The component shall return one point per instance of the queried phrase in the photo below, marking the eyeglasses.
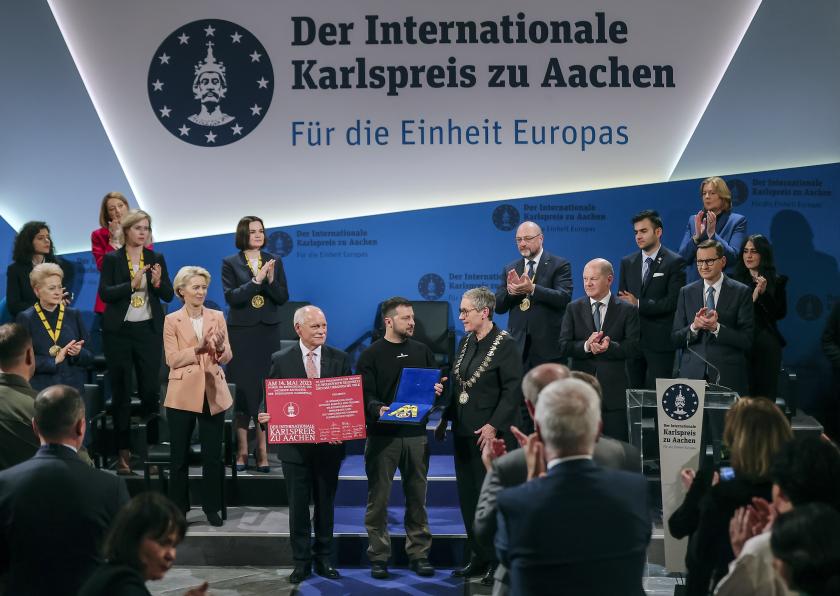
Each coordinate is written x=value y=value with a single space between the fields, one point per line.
x=526 y=238
x=707 y=262
x=465 y=311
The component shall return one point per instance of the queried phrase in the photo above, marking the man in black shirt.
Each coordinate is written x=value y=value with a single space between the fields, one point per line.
x=392 y=446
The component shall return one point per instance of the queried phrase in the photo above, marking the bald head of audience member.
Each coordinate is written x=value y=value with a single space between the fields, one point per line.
x=536 y=379
x=16 y=354
x=568 y=418
x=59 y=416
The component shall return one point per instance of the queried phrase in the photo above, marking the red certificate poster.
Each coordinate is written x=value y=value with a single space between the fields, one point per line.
x=315 y=410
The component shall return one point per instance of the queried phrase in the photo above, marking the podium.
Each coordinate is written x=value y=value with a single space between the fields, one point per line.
x=642 y=427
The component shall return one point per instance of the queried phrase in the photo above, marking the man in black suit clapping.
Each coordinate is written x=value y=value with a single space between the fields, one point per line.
x=651 y=279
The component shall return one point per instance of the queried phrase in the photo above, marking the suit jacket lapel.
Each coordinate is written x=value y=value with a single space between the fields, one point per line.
x=186 y=329
x=635 y=274
x=327 y=363
x=724 y=298
x=586 y=313
x=298 y=370
x=542 y=268
x=612 y=308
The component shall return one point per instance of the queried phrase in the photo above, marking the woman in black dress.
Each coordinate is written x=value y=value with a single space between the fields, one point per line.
x=756 y=269
x=254 y=284
x=485 y=400
x=33 y=246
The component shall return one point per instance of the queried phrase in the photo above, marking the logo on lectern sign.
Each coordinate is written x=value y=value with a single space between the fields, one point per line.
x=210 y=83
x=680 y=402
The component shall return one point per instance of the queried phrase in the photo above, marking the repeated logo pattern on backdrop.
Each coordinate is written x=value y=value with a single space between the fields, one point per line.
x=210 y=83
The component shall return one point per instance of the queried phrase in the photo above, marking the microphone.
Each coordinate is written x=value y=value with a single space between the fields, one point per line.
x=716 y=384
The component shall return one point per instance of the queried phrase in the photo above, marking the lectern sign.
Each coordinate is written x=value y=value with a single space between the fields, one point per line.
x=680 y=408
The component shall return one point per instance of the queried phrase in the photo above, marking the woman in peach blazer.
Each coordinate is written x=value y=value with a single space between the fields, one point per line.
x=195 y=341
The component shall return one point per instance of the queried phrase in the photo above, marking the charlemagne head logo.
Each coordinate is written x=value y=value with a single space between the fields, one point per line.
x=431 y=286
x=680 y=402
x=210 y=83
x=505 y=217
x=280 y=244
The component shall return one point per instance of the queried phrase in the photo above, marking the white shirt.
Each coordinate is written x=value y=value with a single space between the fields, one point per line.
x=652 y=255
x=317 y=358
x=198 y=326
x=562 y=460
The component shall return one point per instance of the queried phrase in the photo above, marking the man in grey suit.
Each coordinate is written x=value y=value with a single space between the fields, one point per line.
x=714 y=323
x=511 y=469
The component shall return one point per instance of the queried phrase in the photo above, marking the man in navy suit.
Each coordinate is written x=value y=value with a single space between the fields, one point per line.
x=311 y=469
x=568 y=495
x=54 y=508
x=600 y=332
x=651 y=279
x=535 y=289
x=714 y=322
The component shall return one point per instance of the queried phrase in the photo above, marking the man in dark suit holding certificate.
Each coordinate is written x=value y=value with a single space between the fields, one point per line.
x=311 y=469
x=650 y=280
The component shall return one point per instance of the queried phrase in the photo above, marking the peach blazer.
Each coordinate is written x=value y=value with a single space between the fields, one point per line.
x=191 y=376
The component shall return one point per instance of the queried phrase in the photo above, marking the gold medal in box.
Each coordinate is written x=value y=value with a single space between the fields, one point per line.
x=406 y=411
x=258 y=301
x=137 y=300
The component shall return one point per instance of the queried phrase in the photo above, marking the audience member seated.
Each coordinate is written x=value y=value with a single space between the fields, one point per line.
x=510 y=469
x=805 y=471
x=806 y=549
x=140 y=547
x=574 y=526
x=17 y=398
x=33 y=246
x=754 y=432
x=58 y=333
x=54 y=508
x=757 y=271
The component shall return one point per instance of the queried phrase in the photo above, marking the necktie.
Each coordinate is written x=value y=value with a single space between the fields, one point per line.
x=311 y=371
x=596 y=315
x=647 y=271
x=531 y=269
x=710 y=298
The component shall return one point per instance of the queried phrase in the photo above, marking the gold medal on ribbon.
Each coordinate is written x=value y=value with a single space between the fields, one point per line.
x=463 y=398
x=137 y=300
x=258 y=301
x=54 y=350
x=53 y=333
x=525 y=304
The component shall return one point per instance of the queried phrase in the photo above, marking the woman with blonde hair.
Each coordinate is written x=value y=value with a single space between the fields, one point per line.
x=195 y=341
x=715 y=221
x=754 y=432
x=134 y=280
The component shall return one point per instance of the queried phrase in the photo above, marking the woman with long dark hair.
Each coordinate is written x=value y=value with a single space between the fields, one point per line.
x=254 y=284
x=756 y=269
x=33 y=246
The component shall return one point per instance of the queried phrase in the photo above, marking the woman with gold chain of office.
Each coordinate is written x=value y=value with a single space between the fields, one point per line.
x=484 y=403
x=255 y=288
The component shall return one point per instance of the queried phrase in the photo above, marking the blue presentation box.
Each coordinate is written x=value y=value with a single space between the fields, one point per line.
x=415 y=397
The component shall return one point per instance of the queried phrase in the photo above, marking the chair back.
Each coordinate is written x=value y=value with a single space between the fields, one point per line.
x=433 y=326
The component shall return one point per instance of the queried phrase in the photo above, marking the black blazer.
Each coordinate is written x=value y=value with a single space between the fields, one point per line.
x=73 y=371
x=239 y=290
x=495 y=397
x=582 y=529
x=771 y=306
x=19 y=292
x=288 y=364
x=621 y=324
x=542 y=321
x=657 y=299
x=728 y=350
x=54 y=512
x=115 y=288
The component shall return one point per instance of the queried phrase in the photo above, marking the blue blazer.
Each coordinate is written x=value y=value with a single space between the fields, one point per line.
x=70 y=372
x=727 y=351
x=582 y=529
x=731 y=231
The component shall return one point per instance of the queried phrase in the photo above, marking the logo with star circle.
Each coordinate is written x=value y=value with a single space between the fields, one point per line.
x=210 y=83
x=680 y=401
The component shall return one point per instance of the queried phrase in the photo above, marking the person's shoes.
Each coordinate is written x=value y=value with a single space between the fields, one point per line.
x=300 y=573
x=471 y=569
x=263 y=469
x=214 y=519
x=379 y=570
x=422 y=567
x=488 y=578
x=325 y=569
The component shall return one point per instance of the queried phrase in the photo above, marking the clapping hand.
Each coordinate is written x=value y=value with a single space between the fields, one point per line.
x=156 y=273
x=699 y=225
x=535 y=457
x=629 y=298
x=493 y=449
x=137 y=280
x=711 y=222
x=267 y=270
x=519 y=285
x=706 y=319
x=270 y=272
x=485 y=434
x=72 y=348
